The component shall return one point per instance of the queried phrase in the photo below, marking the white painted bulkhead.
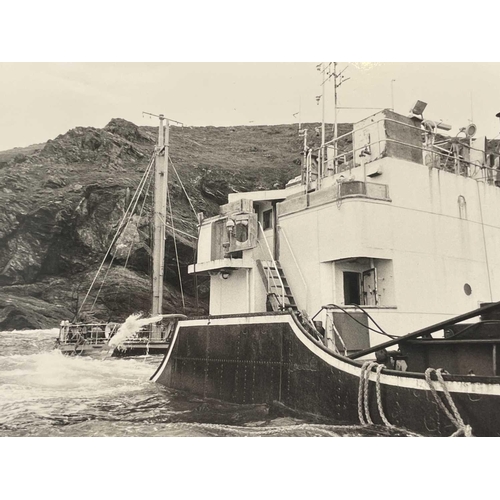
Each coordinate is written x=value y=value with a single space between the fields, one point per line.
x=433 y=239
x=431 y=247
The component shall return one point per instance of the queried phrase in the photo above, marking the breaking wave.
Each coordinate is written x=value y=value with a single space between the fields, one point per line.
x=130 y=328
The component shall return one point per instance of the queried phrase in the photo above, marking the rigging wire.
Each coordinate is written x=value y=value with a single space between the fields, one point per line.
x=124 y=229
x=182 y=232
x=183 y=188
x=141 y=185
x=169 y=196
x=140 y=215
x=195 y=276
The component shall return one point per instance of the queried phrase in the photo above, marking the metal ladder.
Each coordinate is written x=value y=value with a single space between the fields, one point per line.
x=278 y=290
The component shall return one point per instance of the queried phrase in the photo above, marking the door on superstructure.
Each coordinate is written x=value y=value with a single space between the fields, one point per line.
x=269 y=228
x=370 y=287
x=352 y=288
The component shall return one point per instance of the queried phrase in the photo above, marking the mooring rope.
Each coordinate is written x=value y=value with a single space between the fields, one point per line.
x=368 y=369
x=361 y=416
x=363 y=395
x=379 y=398
x=363 y=408
x=454 y=415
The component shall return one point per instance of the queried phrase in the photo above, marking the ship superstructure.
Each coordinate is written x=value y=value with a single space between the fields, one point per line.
x=393 y=217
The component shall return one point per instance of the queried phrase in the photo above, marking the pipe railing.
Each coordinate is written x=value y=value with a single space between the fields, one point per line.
x=448 y=156
x=345 y=156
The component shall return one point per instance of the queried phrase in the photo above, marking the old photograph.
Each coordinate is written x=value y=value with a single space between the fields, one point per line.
x=258 y=249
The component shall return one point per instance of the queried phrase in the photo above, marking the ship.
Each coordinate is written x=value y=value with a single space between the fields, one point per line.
x=365 y=291
x=137 y=335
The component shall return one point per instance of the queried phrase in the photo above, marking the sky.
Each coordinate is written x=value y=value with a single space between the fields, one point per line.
x=38 y=101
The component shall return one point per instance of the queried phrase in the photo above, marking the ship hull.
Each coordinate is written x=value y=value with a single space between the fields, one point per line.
x=141 y=349
x=267 y=358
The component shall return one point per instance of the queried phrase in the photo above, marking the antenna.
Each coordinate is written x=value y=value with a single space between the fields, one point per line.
x=392 y=94
x=298 y=114
x=323 y=69
x=338 y=80
x=471 y=109
x=163 y=117
x=341 y=79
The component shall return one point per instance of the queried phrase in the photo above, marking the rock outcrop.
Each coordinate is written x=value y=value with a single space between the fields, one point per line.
x=62 y=202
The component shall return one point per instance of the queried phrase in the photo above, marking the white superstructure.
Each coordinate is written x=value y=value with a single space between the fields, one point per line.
x=395 y=218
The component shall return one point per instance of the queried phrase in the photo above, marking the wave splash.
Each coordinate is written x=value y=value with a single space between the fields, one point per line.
x=130 y=328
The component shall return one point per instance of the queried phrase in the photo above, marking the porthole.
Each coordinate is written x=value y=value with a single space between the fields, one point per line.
x=467 y=289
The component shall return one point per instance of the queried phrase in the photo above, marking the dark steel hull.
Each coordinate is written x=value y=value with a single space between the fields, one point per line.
x=266 y=358
x=141 y=349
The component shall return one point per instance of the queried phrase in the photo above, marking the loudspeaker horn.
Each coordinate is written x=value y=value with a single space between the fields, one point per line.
x=470 y=130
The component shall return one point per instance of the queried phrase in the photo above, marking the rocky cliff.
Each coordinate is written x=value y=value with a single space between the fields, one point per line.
x=62 y=201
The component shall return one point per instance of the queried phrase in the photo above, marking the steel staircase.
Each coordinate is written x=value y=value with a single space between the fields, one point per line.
x=279 y=292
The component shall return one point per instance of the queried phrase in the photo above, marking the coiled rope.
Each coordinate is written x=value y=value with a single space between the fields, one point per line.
x=363 y=395
x=454 y=416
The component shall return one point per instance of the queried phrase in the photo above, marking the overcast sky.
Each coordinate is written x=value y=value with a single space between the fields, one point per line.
x=38 y=101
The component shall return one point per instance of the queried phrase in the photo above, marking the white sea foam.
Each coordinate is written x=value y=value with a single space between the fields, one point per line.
x=131 y=327
x=40 y=388
x=52 y=374
x=49 y=331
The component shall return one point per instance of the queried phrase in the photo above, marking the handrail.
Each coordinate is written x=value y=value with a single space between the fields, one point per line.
x=421 y=148
x=274 y=265
x=267 y=275
x=282 y=230
x=371 y=124
x=344 y=154
x=429 y=329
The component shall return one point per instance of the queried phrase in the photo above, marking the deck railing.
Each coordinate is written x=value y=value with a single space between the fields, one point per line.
x=99 y=333
x=452 y=154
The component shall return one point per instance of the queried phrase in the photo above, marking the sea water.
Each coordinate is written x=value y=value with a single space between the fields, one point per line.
x=45 y=393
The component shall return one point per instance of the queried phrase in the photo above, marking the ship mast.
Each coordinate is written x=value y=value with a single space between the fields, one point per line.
x=159 y=220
